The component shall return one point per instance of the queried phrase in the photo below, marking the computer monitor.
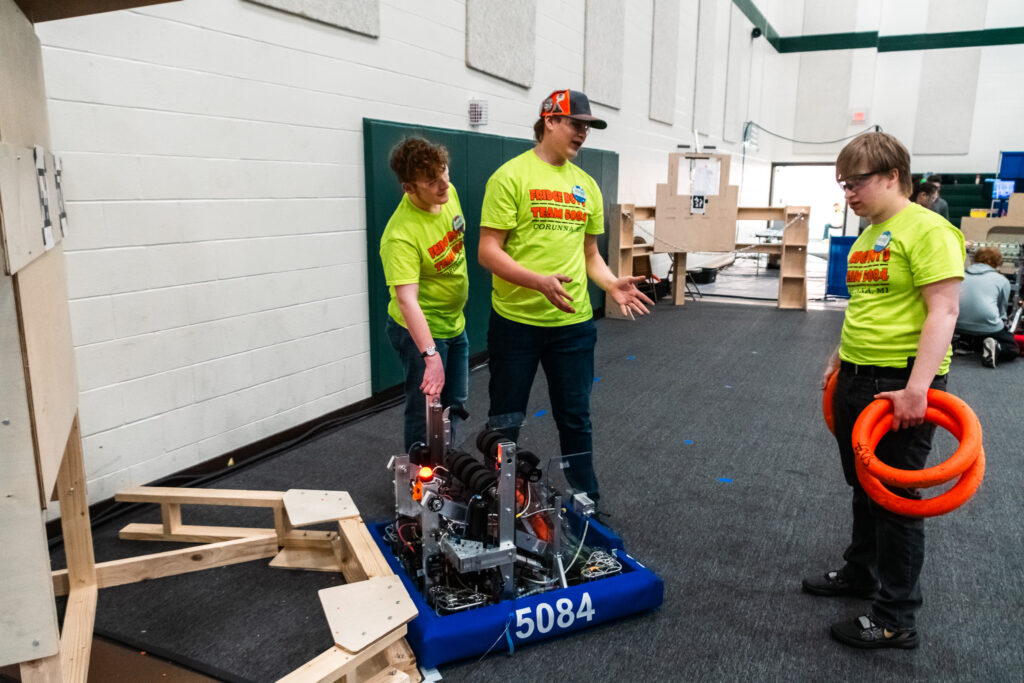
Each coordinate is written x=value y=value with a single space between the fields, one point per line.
x=1002 y=189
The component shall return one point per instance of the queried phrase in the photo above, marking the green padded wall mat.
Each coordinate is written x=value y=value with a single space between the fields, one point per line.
x=474 y=157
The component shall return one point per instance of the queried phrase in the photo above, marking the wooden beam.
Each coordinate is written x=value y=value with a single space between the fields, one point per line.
x=170 y=515
x=769 y=248
x=74 y=512
x=48 y=10
x=643 y=213
x=760 y=213
x=171 y=563
x=189 y=533
x=391 y=675
x=76 y=637
x=401 y=656
x=296 y=538
x=45 y=670
x=170 y=494
x=335 y=663
x=361 y=558
x=308 y=559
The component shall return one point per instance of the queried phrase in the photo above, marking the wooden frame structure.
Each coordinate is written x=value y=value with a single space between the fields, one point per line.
x=791 y=252
x=687 y=221
x=349 y=550
x=41 y=454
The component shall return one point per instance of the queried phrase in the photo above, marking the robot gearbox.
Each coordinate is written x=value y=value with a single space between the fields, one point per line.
x=496 y=544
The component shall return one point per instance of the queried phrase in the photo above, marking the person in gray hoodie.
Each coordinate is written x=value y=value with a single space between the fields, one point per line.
x=984 y=295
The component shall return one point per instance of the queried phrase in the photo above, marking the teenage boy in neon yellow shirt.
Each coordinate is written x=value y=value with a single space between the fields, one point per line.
x=904 y=274
x=539 y=224
x=425 y=269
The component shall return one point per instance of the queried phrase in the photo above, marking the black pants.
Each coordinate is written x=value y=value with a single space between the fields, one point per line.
x=886 y=550
x=1006 y=344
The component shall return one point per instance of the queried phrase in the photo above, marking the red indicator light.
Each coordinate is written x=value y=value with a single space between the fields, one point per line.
x=426 y=474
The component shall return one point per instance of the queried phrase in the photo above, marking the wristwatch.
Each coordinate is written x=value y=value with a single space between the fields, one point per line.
x=429 y=351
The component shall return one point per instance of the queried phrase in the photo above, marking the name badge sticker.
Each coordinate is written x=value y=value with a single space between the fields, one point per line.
x=579 y=194
x=459 y=224
x=883 y=241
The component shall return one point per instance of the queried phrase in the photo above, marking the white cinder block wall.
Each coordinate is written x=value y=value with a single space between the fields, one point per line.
x=213 y=159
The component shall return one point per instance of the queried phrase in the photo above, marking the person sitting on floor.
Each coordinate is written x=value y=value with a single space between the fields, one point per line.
x=984 y=295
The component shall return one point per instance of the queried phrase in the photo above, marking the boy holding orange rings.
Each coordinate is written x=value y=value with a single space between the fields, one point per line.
x=904 y=274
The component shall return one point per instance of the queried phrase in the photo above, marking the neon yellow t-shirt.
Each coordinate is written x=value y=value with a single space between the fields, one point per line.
x=548 y=210
x=426 y=248
x=887 y=266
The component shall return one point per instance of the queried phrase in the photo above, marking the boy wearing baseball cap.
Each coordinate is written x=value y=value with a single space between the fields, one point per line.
x=539 y=224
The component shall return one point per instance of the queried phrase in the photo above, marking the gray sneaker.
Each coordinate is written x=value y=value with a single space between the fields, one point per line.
x=988 y=352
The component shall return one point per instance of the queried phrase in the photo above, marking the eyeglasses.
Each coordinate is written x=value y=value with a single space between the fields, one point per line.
x=855 y=181
x=579 y=126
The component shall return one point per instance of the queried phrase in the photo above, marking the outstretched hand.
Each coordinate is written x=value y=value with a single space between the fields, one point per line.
x=551 y=287
x=630 y=299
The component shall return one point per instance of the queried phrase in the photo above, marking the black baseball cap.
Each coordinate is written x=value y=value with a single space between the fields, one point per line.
x=571 y=103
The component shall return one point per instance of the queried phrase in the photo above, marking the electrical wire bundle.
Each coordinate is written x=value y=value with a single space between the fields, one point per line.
x=448 y=600
x=599 y=564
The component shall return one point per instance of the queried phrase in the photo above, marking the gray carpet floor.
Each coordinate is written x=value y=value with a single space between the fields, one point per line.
x=719 y=474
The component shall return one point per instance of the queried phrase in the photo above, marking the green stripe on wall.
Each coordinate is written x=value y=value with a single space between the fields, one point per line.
x=936 y=41
x=828 y=41
x=751 y=12
x=871 y=39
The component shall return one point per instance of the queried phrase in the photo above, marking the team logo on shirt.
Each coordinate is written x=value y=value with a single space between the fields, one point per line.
x=459 y=224
x=579 y=194
x=869 y=268
x=883 y=241
x=558 y=210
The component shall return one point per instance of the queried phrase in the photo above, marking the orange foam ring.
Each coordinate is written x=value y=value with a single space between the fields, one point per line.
x=967 y=463
x=826 y=401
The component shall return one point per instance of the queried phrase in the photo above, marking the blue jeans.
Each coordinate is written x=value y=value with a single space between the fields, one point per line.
x=454 y=354
x=885 y=549
x=567 y=355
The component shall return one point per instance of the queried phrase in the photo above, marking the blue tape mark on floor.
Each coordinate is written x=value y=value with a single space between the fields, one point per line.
x=540 y=413
x=688 y=441
x=725 y=480
x=728 y=386
x=630 y=357
x=597 y=379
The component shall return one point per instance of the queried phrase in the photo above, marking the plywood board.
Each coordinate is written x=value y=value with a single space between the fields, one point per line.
x=42 y=295
x=21 y=218
x=307 y=506
x=28 y=618
x=23 y=117
x=363 y=612
x=676 y=229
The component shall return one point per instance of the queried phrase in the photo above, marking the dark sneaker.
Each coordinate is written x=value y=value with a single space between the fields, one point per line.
x=834 y=584
x=988 y=352
x=865 y=632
